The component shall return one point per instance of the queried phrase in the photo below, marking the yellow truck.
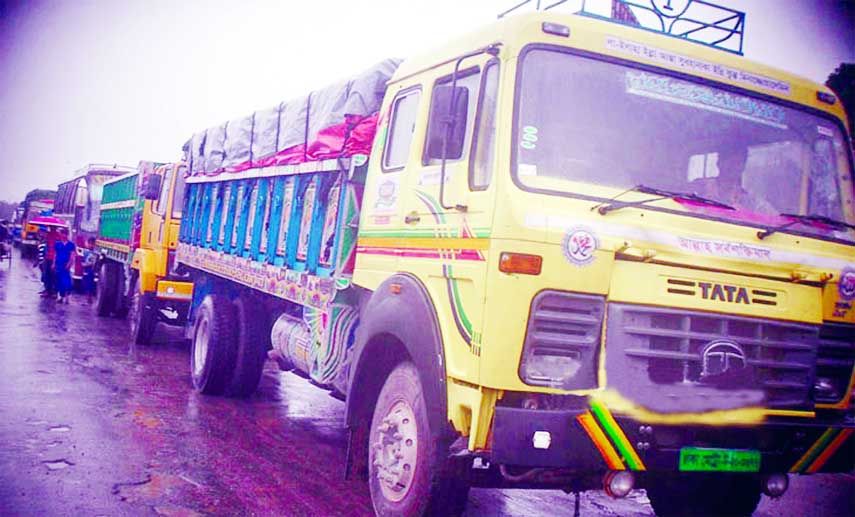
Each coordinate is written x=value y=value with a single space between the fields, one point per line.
x=137 y=237
x=559 y=252
x=33 y=207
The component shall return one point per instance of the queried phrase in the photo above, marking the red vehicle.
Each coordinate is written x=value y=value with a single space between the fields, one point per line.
x=78 y=201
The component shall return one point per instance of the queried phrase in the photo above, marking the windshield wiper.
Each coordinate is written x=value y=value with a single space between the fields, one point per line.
x=805 y=218
x=613 y=204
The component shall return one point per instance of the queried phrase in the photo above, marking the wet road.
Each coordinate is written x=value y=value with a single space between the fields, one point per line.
x=92 y=426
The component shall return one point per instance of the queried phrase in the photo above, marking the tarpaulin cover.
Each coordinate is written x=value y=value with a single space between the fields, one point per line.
x=338 y=120
x=292 y=124
x=238 y=143
x=196 y=155
x=265 y=132
x=215 y=141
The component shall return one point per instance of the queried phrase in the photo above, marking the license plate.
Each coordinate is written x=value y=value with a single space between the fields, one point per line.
x=696 y=459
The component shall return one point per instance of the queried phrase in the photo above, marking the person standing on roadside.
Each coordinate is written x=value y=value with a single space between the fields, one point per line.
x=41 y=255
x=46 y=260
x=90 y=258
x=63 y=260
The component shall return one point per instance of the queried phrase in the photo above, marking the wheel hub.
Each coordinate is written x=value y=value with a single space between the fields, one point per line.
x=200 y=347
x=395 y=451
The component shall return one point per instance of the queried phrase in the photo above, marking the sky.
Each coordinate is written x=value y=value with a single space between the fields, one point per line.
x=100 y=81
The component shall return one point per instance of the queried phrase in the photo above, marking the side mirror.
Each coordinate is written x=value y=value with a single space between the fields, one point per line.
x=151 y=190
x=447 y=121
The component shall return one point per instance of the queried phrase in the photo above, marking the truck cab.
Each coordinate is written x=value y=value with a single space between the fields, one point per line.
x=140 y=217
x=78 y=203
x=639 y=251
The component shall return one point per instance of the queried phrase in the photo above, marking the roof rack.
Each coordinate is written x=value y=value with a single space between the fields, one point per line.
x=83 y=171
x=697 y=21
x=539 y=5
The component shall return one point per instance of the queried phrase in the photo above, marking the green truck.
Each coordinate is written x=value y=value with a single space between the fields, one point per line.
x=136 y=243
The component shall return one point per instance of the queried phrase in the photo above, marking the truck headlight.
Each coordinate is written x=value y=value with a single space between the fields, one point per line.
x=563 y=340
x=826 y=389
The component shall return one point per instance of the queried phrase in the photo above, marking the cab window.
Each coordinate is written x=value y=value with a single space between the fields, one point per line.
x=163 y=198
x=401 y=127
x=178 y=195
x=469 y=79
x=483 y=148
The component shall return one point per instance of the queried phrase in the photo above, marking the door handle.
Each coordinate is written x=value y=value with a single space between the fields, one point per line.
x=412 y=219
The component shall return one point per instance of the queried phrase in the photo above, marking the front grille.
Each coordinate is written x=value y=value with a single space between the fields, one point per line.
x=562 y=326
x=681 y=361
x=835 y=360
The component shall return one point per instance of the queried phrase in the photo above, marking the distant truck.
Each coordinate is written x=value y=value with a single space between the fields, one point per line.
x=17 y=227
x=582 y=255
x=138 y=233
x=33 y=207
x=78 y=202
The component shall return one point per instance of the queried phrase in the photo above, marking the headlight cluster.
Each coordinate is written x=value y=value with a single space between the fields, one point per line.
x=563 y=340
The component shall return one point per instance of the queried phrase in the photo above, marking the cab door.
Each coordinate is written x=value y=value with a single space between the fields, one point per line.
x=172 y=200
x=394 y=156
x=154 y=214
x=448 y=209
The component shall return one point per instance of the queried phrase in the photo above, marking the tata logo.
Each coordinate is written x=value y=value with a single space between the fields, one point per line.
x=724 y=293
x=722 y=357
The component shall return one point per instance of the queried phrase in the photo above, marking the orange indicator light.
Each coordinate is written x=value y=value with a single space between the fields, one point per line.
x=520 y=263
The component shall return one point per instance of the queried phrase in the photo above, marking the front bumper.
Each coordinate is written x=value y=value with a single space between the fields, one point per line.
x=593 y=441
x=174 y=291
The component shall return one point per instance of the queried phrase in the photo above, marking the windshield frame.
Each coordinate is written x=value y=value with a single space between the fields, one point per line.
x=520 y=69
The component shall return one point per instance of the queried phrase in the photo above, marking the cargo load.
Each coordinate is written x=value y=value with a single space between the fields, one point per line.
x=336 y=121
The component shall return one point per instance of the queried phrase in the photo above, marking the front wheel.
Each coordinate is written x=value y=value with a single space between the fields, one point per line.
x=105 y=293
x=704 y=495
x=405 y=475
x=142 y=315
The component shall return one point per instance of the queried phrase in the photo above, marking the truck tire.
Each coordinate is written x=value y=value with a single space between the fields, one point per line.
x=405 y=474
x=105 y=292
x=251 y=351
x=120 y=306
x=213 y=355
x=704 y=495
x=142 y=315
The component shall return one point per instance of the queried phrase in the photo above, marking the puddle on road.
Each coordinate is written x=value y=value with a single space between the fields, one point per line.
x=57 y=464
x=59 y=429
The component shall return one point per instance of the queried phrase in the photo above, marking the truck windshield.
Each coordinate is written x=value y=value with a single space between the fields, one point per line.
x=592 y=129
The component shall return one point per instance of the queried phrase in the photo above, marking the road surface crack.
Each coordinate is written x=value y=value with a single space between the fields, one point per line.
x=117 y=487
